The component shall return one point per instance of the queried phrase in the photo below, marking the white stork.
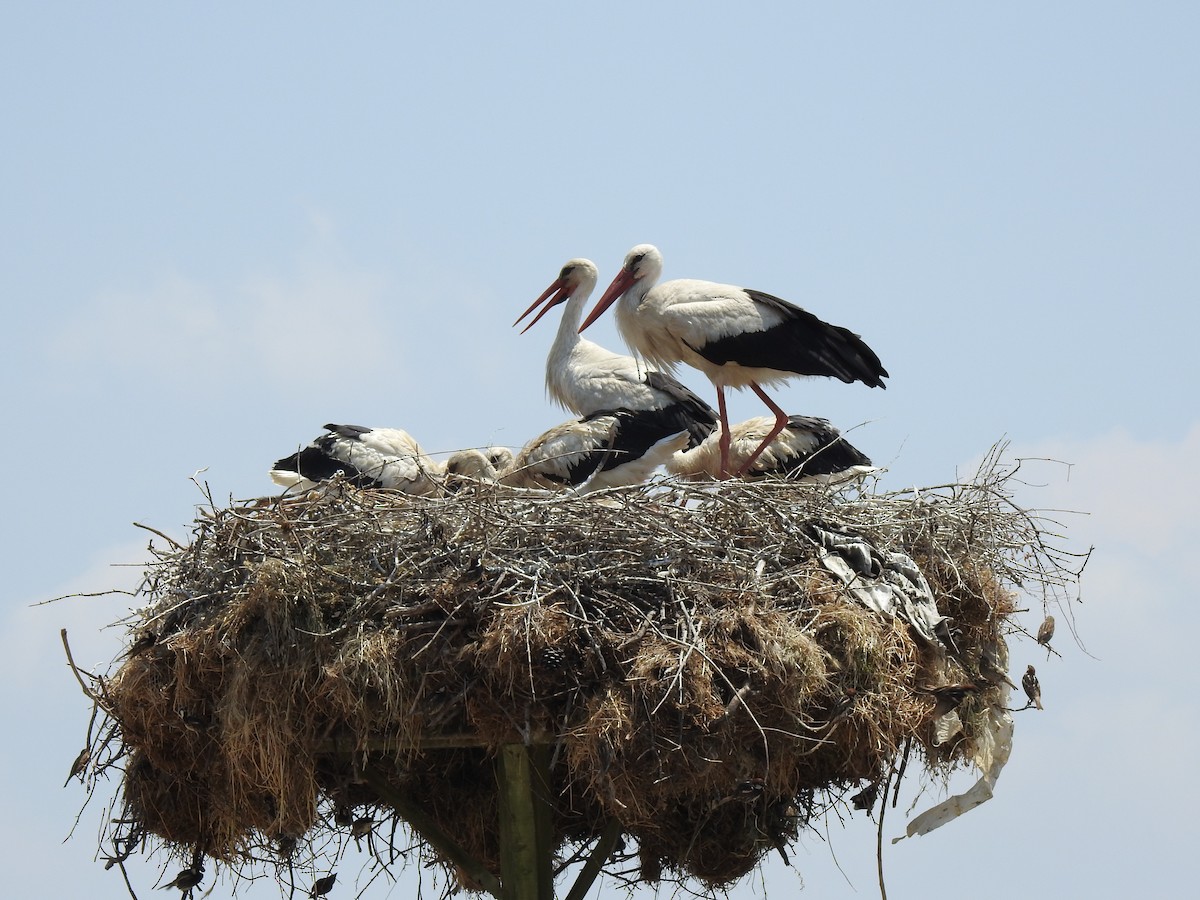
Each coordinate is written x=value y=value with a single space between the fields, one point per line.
x=737 y=337
x=477 y=465
x=808 y=449
x=585 y=378
x=606 y=449
x=368 y=457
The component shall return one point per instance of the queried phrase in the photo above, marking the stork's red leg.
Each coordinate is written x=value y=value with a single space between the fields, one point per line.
x=723 y=441
x=781 y=421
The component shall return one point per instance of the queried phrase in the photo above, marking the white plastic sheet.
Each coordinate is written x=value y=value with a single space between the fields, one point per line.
x=889 y=583
x=991 y=754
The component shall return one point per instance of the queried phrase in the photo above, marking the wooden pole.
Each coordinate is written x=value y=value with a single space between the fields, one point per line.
x=526 y=829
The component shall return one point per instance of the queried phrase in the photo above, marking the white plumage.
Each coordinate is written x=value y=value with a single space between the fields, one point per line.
x=736 y=336
x=368 y=457
x=585 y=378
x=477 y=465
x=606 y=449
x=807 y=449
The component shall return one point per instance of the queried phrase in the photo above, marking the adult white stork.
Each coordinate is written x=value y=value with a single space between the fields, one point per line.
x=737 y=337
x=808 y=449
x=606 y=449
x=368 y=457
x=585 y=378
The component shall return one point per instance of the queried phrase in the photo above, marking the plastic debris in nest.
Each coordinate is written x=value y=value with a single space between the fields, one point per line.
x=888 y=582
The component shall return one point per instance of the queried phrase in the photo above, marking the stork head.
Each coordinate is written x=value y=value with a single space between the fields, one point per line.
x=577 y=279
x=643 y=262
x=480 y=465
x=500 y=459
x=643 y=265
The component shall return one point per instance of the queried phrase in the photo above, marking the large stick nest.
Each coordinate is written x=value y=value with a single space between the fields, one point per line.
x=703 y=679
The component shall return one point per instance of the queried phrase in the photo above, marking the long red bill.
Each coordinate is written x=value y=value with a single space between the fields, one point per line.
x=557 y=299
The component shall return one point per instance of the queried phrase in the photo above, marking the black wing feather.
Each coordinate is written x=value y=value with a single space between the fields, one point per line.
x=353 y=432
x=317 y=462
x=803 y=344
x=834 y=453
x=636 y=432
x=687 y=412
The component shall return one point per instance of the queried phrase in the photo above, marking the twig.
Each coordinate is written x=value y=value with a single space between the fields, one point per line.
x=900 y=775
x=879 y=832
x=730 y=708
x=596 y=860
x=75 y=669
x=125 y=875
x=166 y=538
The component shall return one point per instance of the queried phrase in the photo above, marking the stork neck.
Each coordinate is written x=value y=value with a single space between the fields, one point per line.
x=558 y=363
x=627 y=314
x=637 y=292
x=568 y=327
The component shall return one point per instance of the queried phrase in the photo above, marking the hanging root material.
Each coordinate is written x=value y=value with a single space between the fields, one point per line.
x=709 y=673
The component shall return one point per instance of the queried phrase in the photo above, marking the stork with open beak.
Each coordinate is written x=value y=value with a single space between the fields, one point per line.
x=585 y=378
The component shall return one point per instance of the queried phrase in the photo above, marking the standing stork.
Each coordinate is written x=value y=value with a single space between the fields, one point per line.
x=368 y=457
x=609 y=448
x=808 y=449
x=585 y=378
x=737 y=337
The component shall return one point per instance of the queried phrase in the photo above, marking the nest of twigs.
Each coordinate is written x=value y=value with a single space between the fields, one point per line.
x=699 y=678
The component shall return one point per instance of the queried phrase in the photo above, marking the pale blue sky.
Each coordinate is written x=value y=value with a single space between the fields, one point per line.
x=221 y=227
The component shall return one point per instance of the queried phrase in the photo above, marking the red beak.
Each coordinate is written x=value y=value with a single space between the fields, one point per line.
x=561 y=287
x=623 y=282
